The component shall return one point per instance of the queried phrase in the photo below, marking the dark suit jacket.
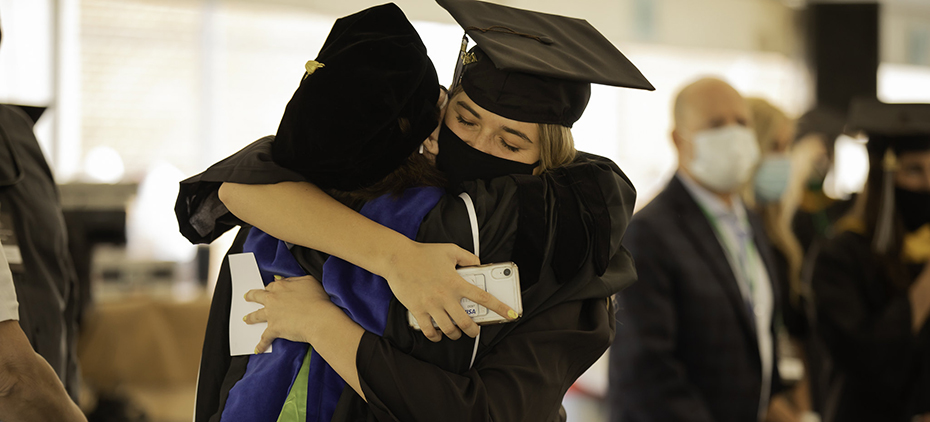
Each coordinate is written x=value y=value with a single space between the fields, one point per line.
x=686 y=347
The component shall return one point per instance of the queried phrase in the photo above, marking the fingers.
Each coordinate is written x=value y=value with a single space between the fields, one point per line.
x=465 y=259
x=426 y=326
x=444 y=321
x=298 y=278
x=257 y=295
x=256 y=317
x=446 y=325
x=483 y=298
x=462 y=320
x=264 y=343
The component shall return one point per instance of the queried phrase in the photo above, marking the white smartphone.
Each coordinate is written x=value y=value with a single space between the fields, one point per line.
x=502 y=280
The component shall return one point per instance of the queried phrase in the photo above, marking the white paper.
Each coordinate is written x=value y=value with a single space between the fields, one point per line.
x=245 y=276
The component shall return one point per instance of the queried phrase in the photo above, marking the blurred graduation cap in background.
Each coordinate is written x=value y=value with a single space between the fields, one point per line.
x=895 y=123
x=892 y=129
x=535 y=67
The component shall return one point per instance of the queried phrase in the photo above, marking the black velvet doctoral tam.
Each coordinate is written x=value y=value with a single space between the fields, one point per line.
x=364 y=105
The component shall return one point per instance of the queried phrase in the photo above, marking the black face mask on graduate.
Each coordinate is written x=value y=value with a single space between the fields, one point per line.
x=460 y=162
x=914 y=207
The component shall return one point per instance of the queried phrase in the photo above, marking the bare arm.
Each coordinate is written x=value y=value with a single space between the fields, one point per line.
x=422 y=276
x=29 y=388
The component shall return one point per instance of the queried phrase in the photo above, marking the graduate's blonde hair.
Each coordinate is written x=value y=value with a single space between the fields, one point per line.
x=768 y=122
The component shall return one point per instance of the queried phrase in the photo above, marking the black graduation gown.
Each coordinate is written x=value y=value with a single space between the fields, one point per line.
x=46 y=284
x=880 y=370
x=563 y=230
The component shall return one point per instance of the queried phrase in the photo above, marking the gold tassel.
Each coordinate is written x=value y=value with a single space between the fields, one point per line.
x=460 y=64
x=890 y=161
x=312 y=66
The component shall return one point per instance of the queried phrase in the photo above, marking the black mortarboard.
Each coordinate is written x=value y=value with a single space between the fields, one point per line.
x=342 y=128
x=903 y=127
x=541 y=66
x=892 y=129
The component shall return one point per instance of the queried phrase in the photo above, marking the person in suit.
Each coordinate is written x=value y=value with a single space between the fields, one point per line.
x=695 y=334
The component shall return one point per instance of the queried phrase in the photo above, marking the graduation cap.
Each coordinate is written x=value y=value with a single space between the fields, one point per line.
x=364 y=104
x=535 y=67
x=892 y=129
x=903 y=127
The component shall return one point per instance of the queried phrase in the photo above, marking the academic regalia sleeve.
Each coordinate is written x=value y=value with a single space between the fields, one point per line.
x=647 y=378
x=866 y=329
x=523 y=378
x=201 y=215
x=565 y=218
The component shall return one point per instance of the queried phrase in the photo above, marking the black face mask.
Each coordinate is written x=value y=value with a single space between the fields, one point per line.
x=914 y=207
x=460 y=162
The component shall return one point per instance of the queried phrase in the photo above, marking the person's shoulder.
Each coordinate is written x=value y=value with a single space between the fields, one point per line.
x=848 y=250
x=585 y=160
x=597 y=182
x=12 y=113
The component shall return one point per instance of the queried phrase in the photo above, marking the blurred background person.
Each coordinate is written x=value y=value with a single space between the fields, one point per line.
x=34 y=239
x=771 y=185
x=695 y=334
x=779 y=183
x=790 y=194
x=871 y=282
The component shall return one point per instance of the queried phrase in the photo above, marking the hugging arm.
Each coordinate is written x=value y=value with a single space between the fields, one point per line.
x=278 y=201
x=522 y=369
x=421 y=276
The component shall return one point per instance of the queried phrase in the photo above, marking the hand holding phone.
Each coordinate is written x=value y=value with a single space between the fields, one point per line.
x=501 y=280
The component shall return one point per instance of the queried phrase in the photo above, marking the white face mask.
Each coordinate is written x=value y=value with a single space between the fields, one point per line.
x=724 y=157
